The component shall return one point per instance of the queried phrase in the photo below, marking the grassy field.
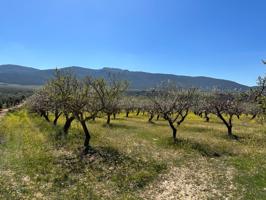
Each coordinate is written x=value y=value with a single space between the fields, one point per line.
x=132 y=159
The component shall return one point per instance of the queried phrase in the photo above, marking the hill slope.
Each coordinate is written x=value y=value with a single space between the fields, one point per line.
x=15 y=74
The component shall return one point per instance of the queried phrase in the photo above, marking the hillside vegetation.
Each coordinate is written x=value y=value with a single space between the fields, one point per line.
x=11 y=95
x=131 y=159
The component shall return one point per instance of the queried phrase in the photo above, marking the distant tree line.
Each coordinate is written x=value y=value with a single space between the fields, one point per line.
x=83 y=100
x=12 y=96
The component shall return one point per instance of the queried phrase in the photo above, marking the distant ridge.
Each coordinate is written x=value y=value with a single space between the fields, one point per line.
x=16 y=74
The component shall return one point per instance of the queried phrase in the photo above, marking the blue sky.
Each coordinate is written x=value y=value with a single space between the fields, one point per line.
x=217 y=38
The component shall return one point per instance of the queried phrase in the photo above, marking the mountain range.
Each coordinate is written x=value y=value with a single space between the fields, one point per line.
x=21 y=75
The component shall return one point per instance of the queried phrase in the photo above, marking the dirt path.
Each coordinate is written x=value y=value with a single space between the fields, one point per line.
x=3 y=112
x=197 y=181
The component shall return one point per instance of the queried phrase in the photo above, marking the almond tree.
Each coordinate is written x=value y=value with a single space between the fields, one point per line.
x=147 y=106
x=40 y=103
x=84 y=105
x=63 y=86
x=202 y=107
x=54 y=98
x=77 y=99
x=110 y=93
x=226 y=106
x=138 y=106
x=252 y=109
x=173 y=105
x=151 y=109
x=258 y=93
x=257 y=97
x=128 y=104
x=54 y=105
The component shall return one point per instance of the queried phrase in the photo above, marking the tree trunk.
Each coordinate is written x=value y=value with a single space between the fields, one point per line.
x=151 y=117
x=158 y=117
x=46 y=117
x=108 y=118
x=230 y=129
x=87 y=136
x=173 y=129
x=230 y=133
x=174 y=134
x=207 y=118
x=127 y=114
x=228 y=124
x=114 y=116
x=200 y=114
x=68 y=124
x=56 y=117
x=254 y=116
x=55 y=121
x=138 y=111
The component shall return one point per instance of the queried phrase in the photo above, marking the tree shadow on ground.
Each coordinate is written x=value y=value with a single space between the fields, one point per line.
x=202 y=148
x=108 y=164
x=119 y=126
x=196 y=129
x=2 y=140
x=158 y=123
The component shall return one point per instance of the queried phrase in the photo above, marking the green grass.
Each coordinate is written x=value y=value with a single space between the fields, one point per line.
x=131 y=159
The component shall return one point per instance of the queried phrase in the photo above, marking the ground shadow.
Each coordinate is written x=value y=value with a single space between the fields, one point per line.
x=109 y=164
x=196 y=129
x=204 y=149
x=2 y=141
x=158 y=123
x=118 y=126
